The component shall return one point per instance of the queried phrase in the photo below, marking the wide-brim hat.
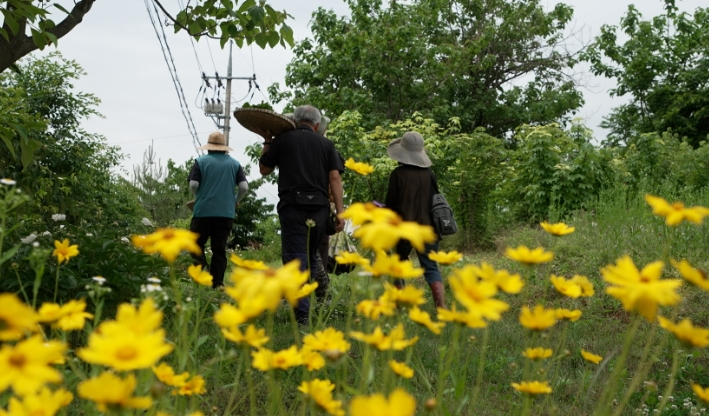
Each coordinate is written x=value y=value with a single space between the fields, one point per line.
x=408 y=149
x=216 y=142
x=263 y=119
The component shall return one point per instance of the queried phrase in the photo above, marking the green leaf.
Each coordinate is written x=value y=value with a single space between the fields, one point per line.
x=8 y=254
x=11 y=22
x=39 y=39
x=29 y=148
x=287 y=34
x=60 y=7
x=194 y=28
x=273 y=38
x=246 y=5
x=257 y=14
x=261 y=40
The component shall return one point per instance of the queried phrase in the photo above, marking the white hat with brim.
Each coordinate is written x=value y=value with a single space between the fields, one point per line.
x=216 y=142
x=408 y=149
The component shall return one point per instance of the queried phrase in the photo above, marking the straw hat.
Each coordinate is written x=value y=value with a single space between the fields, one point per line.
x=408 y=149
x=264 y=119
x=216 y=142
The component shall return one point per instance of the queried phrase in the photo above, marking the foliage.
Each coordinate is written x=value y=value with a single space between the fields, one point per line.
x=663 y=67
x=494 y=64
x=253 y=212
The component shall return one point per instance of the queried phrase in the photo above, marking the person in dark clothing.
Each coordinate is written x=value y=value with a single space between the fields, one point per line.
x=308 y=166
x=213 y=181
x=410 y=194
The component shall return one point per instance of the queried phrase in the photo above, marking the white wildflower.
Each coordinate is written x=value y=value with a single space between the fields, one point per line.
x=35 y=244
x=46 y=234
x=99 y=279
x=153 y=280
x=153 y=288
x=61 y=226
x=147 y=222
x=7 y=181
x=30 y=238
x=125 y=239
x=58 y=217
x=89 y=235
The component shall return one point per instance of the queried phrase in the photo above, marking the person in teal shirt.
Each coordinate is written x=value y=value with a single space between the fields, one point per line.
x=213 y=180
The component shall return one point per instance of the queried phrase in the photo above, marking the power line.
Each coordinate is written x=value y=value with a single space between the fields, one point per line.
x=157 y=138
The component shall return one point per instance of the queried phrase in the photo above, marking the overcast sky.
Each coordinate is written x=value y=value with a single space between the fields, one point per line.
x=118 y=48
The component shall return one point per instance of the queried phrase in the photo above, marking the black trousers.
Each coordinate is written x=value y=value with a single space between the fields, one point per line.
x=215 y=229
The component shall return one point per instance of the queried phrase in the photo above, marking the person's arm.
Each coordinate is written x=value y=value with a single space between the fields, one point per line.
x=337 y=194
x=194 y=187
x=392 y=193
x=243 y=188
x=194 y=178
x=267 y=142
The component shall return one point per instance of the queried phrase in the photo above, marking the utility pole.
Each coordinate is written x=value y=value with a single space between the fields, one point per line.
x=227 y=104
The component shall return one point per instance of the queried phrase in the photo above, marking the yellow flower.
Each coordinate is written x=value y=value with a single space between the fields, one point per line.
x=265 y=359
x=476 y=295
x=390 y=265
x=591 y=357
x=169 y=242
x=537 y=353
x=537 y=320
x=345 y=257
x=469 y=319
x=312 y=360
x=142 y=320
x=640 y=291
x=686 y=333
x=26 y=366
x=702 y=393
x=43 y=403
x=327 y=340
x=693 y=275
x=362 y=213
x=16 y=318
x=532 y=387
x=445 y=258
x=248 y=264
x=307 y=289
x=194 y=386
x=506 y=282
x=260 y=290
x=166 y=374
x=423 y=318
x=68 y=317
x=63 y=251
x=229 y=316
x=586 y=285
x=557 y=229
x=529 y=257
x=401 y=369
x=120 y=348
x=566 y=287
x=400 y=403
x=394 y=341
x=252 y=336
x=200 y=276
x=676 y=212
x=409 y=295
x=359 y=167
x=373 y=309
x=321 y=393
x=109 y=390
x=572 y=316
x=383 y=235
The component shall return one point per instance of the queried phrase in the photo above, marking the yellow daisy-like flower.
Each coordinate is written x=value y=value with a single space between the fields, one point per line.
x=686 y=333
x=469 y=319
x=532 y=387
x=676 y=212
x=566 y=314
x=529 y=257
x=345 y=257
x=537 y=353
x=265 y=359
x=641 y=290
x=586 y=285
x=506 y=282
x=362 y=213
x=43 y=403
x=68 y=317
x=27 y=365
x=166 y=374
x=559 y=229
x=390 y=265
x=169 y=242
x=200 y=276
x=566 y=287
x=476 y=295
x=399 y=403
x=248 y=264
x=423 y=318
x=16 y=318
x=328 y=339
x=307 y=289
x=142 y=320
x=118 y=347
x=383 y=235
x=110 y=391
x=401 y=369
x=693 y=275
x=591 y=357
x=252 y=336
x=373 y=309
x=312 y=360
x=409 y=295
x=394 y=341
x=192 y=387
x=229 y=316
x=445 y=258
x=359 y=167
x=258 y=291
x=702 y=393
x=320 y=391
x=63 y=251
x=537 y=320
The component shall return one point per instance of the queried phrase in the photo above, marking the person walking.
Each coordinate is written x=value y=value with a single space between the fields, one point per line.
x=308 y=166
x=213 y=181
x=410 y=194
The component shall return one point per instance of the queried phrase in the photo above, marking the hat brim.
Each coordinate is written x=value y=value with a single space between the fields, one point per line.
x=397 y=152
x=217 y=147
x=263 y=119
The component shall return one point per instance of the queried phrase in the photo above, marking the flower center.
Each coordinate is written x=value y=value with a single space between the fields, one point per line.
x=4 y=325
x=18 y=360
x=126 y=353
x=678 y=206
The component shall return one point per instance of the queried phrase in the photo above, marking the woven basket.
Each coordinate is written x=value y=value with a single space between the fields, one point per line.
x=263 y=119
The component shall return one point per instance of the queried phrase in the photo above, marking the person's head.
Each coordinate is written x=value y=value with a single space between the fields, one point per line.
x=408 y=149
x=216 y=142
x=307 y=114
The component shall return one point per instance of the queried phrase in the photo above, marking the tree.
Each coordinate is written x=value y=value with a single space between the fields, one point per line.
x=663 y=67
x=495 y=64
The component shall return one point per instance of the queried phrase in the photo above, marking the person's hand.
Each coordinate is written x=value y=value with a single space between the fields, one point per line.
x=340 y=225
x=267 y=136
